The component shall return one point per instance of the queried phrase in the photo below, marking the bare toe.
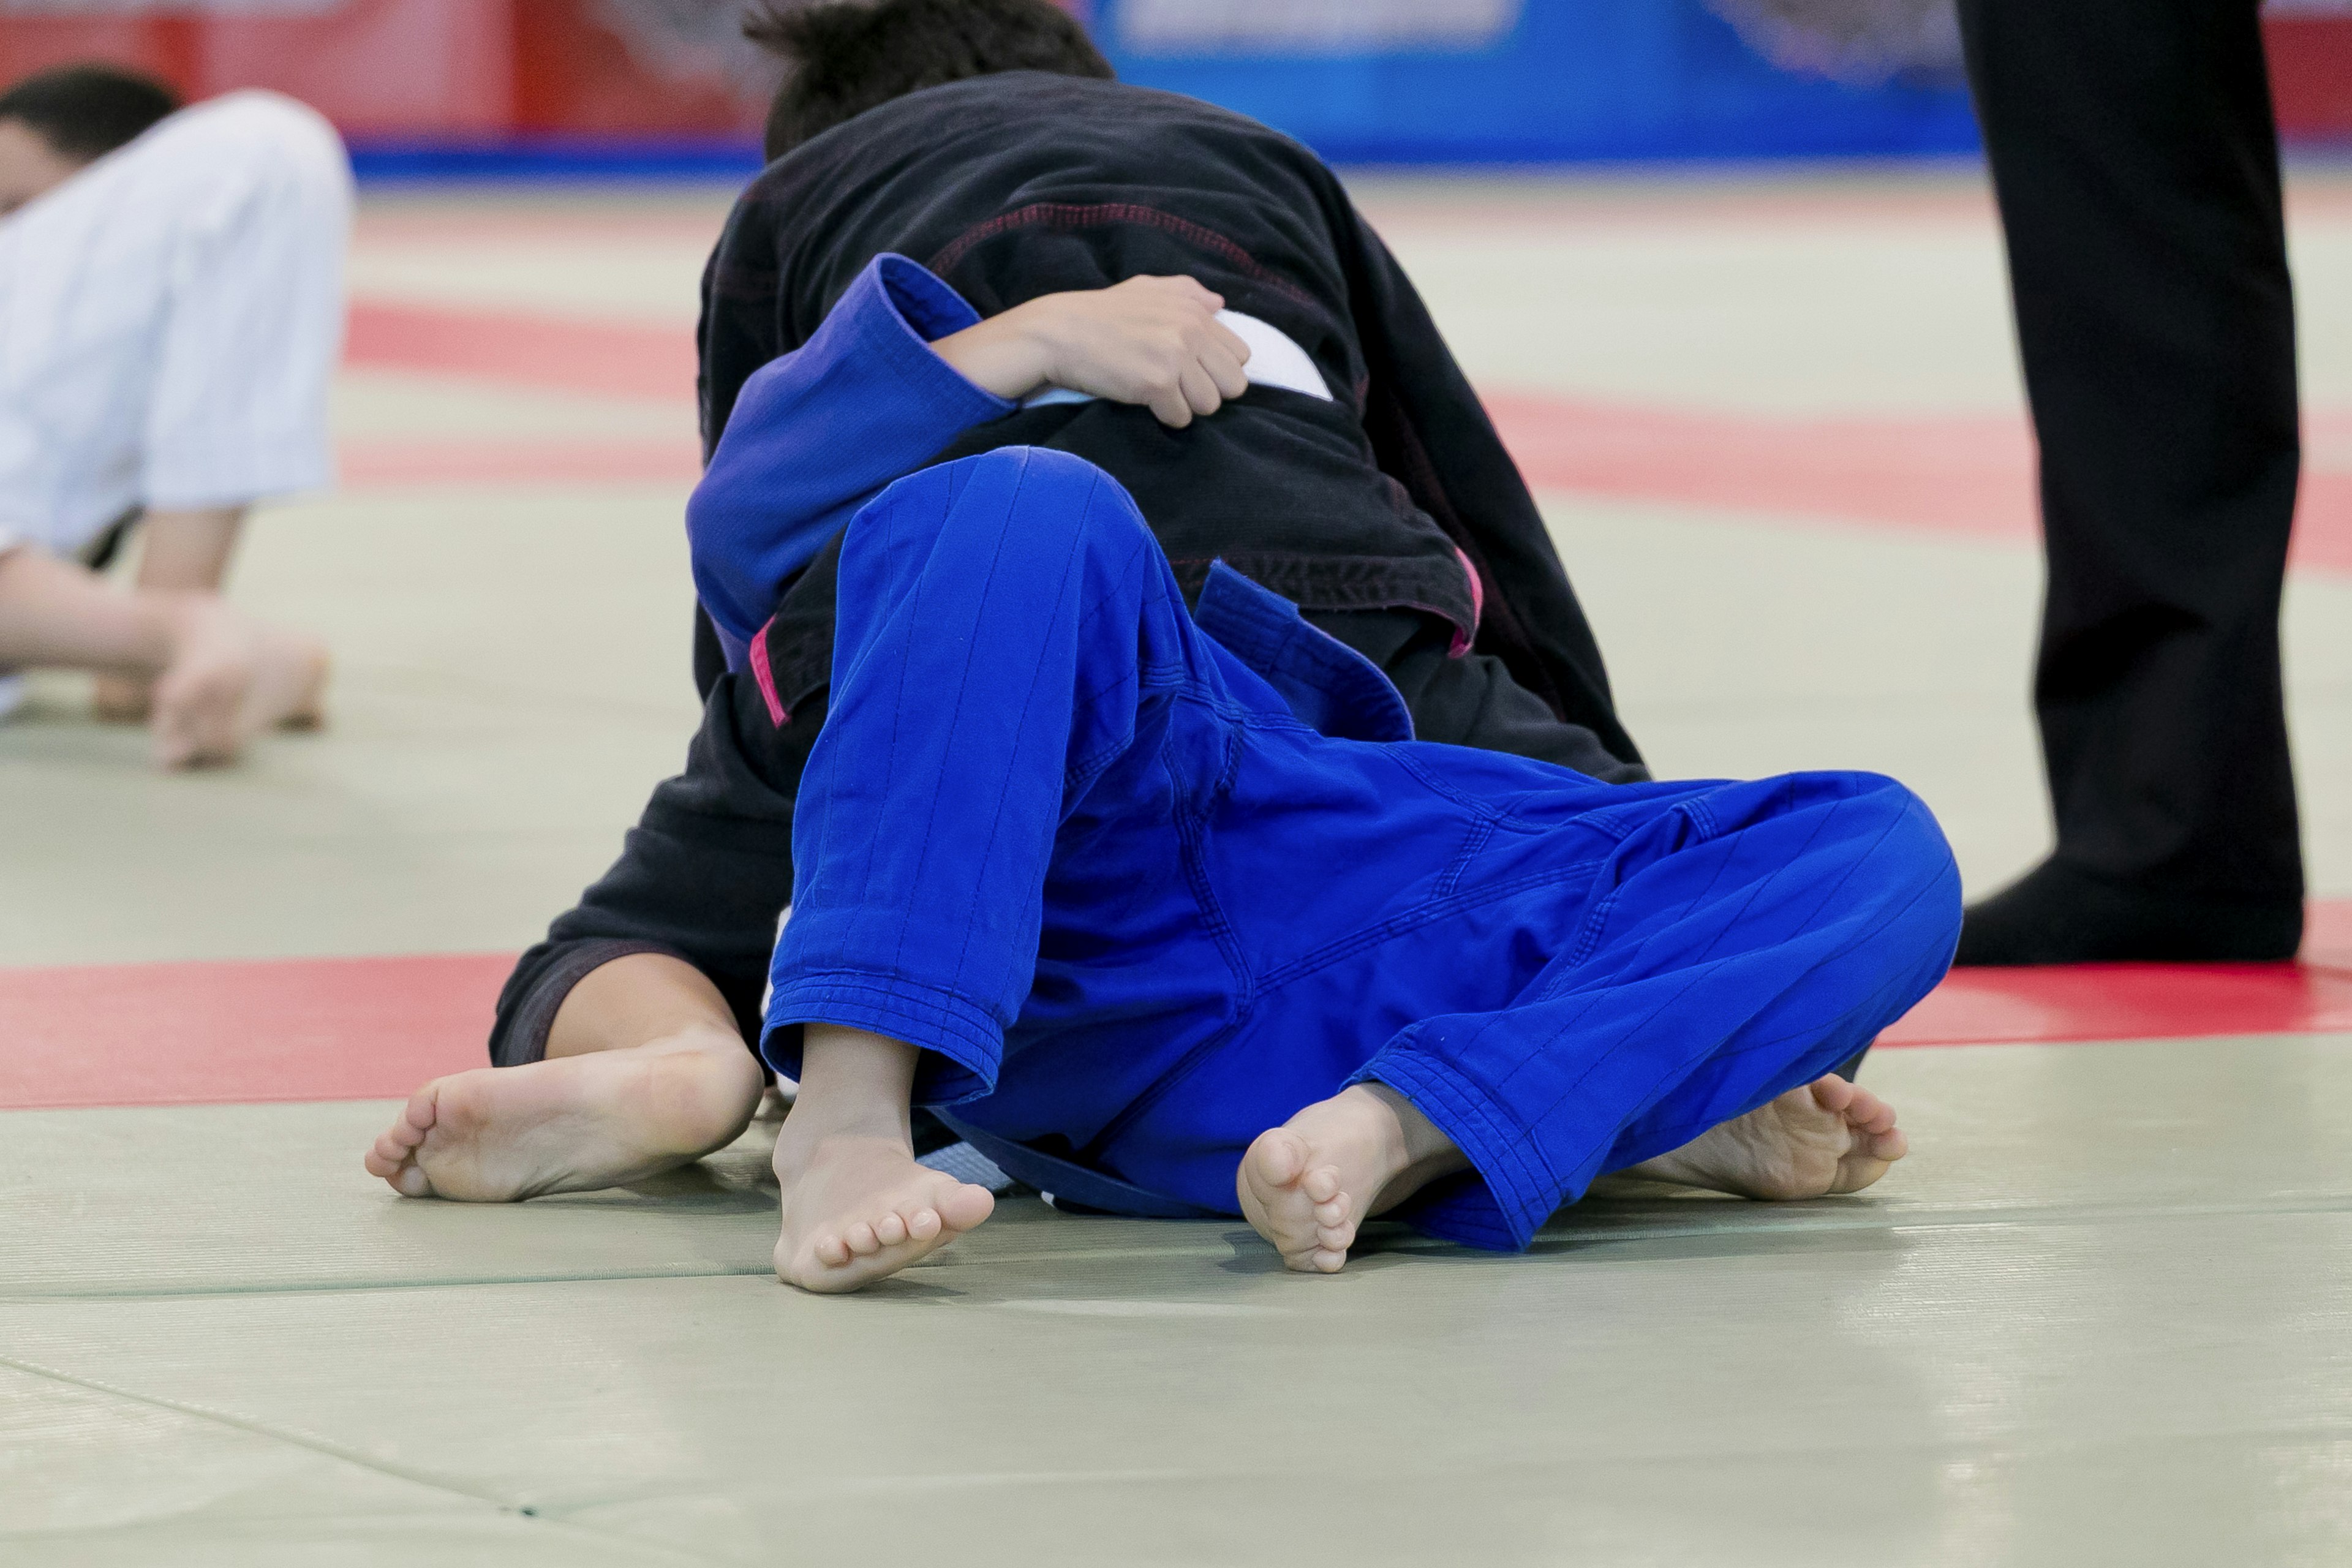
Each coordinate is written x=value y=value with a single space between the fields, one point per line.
x=1869 y=1112
x=914 y=1211
x=393 y=1157
x=967 y=1207
x=1278 y=1157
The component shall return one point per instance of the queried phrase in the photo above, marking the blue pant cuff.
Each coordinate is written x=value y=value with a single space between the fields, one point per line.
x=1513 y=1195
x=962 y=1044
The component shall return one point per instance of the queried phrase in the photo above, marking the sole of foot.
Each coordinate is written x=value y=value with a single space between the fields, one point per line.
x=1308 y=1184
x=1828 y=1137
x=121 y=699
x=230 y=680
x=858 y=1208
x=571 y=1124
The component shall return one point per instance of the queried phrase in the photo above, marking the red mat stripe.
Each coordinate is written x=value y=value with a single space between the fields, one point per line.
x=1942 y=474
x=558 y=352
x=379 y=464
x=368 y=1028
x=194 y=1034
x=1953 y=474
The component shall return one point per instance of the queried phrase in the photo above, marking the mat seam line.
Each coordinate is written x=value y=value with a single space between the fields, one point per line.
x=1791 y=1225
x=329 y=1449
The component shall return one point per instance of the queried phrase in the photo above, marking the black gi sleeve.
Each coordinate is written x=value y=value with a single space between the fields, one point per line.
x=704 y=875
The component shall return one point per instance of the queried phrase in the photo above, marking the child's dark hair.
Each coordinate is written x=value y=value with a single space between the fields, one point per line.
x=87 y=111
x=846 y=56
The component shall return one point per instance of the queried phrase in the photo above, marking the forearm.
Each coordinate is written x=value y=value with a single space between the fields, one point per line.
x=634 y=1000
x=1003 y=355
x=53 y=613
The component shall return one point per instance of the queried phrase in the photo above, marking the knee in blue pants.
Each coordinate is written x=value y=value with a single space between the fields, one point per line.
x=1006 y=627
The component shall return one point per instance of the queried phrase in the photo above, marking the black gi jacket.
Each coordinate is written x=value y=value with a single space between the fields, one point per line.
x=1392 y=515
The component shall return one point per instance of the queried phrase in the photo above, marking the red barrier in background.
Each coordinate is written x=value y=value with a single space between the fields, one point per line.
x=478 y=70
x=2311 y=73
x=462 y=69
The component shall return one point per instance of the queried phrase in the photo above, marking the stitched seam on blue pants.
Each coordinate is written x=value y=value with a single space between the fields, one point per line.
x=1505 y=814
x=1589 y=937
x=948 y=1012
x=1527 y=1181
x=1155 y=681
x=1412 y=918
x=1561 y=983
x=1073 y=565
x=949 y=1008
x=1191 y=829
x=1480 y=832
x=1484 y=810
x=1874 y=1000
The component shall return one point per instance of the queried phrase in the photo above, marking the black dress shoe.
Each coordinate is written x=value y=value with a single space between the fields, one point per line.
x=2057 y=914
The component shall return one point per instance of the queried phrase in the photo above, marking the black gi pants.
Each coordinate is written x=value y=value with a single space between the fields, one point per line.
x=2135 y=156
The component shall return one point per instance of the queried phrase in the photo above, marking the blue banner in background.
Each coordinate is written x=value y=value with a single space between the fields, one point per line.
x=1451 y=81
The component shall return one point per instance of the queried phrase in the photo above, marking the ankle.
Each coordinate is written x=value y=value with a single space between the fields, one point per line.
x=1418 y=1141
x=815 y=1119
x=1416 y=1151
x=854 y=1083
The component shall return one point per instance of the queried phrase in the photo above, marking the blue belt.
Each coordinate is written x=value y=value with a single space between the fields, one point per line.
x=1068 y=1180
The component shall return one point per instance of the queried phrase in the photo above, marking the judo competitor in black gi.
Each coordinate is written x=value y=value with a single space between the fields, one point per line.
x=1012 y=165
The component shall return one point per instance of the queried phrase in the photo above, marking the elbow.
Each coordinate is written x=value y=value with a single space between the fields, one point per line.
x=725 y=609
x=708 y=539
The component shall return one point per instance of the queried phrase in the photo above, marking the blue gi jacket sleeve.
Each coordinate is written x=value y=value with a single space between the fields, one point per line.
x=819 y=432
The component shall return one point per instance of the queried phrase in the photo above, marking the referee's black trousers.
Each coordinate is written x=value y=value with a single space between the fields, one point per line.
x=2135 y=159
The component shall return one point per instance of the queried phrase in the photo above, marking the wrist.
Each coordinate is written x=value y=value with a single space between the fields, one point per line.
x=1004 y=355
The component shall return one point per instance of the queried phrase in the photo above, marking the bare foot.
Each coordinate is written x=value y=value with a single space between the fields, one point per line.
x=230 y=679
x=858 y=1208
x=1830 y=1136
x=123 y=700
x=1307 y=1184
x=289 y=691
x=570 y=1124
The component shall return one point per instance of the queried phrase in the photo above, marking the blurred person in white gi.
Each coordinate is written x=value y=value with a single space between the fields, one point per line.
x=170 y=313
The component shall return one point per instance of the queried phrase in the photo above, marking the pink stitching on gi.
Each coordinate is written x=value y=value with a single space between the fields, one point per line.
x=767 y=678
x=1463 y=639
x=1076 y=214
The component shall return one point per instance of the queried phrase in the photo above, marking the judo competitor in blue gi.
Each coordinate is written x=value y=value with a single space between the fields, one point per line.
x=1169 y=905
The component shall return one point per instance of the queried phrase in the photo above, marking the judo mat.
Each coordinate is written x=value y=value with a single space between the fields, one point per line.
x=2099 y=1315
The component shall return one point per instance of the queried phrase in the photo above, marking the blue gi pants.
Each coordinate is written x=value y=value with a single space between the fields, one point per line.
x=1135 y=910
